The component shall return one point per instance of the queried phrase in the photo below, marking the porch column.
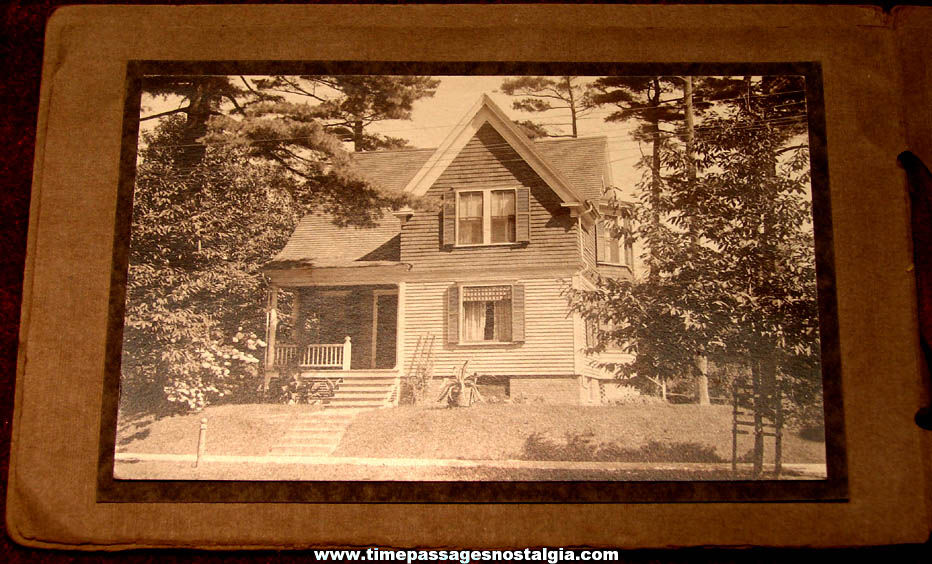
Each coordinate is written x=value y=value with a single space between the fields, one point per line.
x=400 y=328
x=297 y=326
x=271 y=328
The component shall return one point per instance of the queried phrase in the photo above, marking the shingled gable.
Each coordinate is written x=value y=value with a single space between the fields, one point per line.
x=486 y=111
x=577 y=168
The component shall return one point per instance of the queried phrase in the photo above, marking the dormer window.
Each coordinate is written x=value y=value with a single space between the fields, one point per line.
x=485 y=217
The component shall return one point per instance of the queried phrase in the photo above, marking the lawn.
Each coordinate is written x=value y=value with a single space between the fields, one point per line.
x=628 y=433
x=249 y=430
x=680 y=433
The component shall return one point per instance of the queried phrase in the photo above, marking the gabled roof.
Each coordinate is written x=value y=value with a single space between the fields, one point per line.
x=485 y=111
x=574 y=168
x=582 y=162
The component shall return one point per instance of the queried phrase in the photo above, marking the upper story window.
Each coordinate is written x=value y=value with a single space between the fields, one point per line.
x=610 y=247
x=485 y=217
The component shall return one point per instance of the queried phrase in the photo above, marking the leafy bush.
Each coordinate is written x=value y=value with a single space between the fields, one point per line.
x=629 y=395
x=582 y=447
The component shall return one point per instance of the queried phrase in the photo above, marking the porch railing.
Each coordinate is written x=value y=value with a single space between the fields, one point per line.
x=316 y=355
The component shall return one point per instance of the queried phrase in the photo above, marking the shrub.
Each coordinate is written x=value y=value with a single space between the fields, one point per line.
x=582 y=447
x=624 y=394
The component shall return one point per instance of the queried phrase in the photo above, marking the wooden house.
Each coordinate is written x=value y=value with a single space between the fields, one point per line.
x=482 y=279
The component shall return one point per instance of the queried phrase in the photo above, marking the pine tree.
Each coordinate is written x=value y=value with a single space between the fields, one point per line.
x=538 y=94
x=732 y=253
x=350 y=104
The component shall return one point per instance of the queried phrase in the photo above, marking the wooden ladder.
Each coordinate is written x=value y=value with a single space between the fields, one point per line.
x=422 y=361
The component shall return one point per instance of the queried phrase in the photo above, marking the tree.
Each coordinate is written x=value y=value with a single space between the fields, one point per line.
x=644 y=99
x=350 y=104
x=538 y=94
x=204 y=223
x=194 y=289
x=200 y=98
x=732 y=255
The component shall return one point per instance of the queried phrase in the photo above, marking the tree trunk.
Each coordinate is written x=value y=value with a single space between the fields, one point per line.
x=758 y=404
x=702 y=362
x=702 y=368
x=357 y=136
x=569 y=90
x=198 y=114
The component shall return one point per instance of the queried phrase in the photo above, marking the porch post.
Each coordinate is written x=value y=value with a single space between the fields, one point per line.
x=297 y=326
x=399 y=340
x=400 y=327
x=271 y=328
x=347 y=352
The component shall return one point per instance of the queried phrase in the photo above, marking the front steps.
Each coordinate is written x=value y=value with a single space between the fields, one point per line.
x=363 y=390
x=319 y=433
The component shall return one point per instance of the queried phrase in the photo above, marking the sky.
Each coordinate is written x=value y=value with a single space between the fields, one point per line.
x=434 y=118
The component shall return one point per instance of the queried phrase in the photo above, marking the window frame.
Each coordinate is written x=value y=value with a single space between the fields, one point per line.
x=462 y=312
x=600 y=243
x=486 y=217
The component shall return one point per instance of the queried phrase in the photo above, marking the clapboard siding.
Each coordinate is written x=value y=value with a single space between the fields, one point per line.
x=587 y=238
x=548 y=345
x=487 y=161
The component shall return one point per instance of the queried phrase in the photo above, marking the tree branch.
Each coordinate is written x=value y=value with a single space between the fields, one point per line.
x=168 y=113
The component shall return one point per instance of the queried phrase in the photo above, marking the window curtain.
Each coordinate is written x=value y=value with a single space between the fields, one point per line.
x=502 y=330
x=470 y=217
x=474 y=321
x=503 y=216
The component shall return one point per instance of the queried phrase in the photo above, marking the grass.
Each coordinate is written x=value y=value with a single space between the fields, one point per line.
x=630 y=433
x=248 y=430
x=495 y=432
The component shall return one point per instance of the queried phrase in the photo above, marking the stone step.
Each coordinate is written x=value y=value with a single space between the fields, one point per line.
x=371 y=400
x=313 y=434
x=306 y=444
x=342 y=394
x=320 y=425
x=300 y=450
x=368 y=380
x=364 y=387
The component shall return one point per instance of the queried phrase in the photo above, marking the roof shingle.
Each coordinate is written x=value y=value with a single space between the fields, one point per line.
x=318 y=242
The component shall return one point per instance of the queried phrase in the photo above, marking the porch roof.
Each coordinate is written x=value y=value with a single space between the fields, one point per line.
x=318 y=242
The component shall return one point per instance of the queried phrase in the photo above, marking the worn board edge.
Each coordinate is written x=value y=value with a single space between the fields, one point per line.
x=27 y=301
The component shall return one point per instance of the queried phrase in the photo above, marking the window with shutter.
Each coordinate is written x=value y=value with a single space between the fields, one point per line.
x=448 y=215
x=487 y=217
x=486 y=314
x=453 y=314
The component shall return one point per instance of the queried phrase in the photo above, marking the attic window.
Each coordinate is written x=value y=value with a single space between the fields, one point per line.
x=486 y=217
x=472 y=218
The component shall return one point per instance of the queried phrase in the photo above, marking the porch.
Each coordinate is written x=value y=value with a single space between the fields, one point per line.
x=344 y=338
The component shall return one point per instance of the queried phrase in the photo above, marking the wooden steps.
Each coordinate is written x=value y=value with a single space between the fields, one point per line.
x=319 y=433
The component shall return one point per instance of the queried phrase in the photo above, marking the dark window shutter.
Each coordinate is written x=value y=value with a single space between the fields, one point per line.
x=600 y=249
x=453 y=314
x=448 y=237
x=517 y=313
x=523 y=214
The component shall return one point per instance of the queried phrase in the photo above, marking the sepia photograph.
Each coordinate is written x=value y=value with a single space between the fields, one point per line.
x=473 y=277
